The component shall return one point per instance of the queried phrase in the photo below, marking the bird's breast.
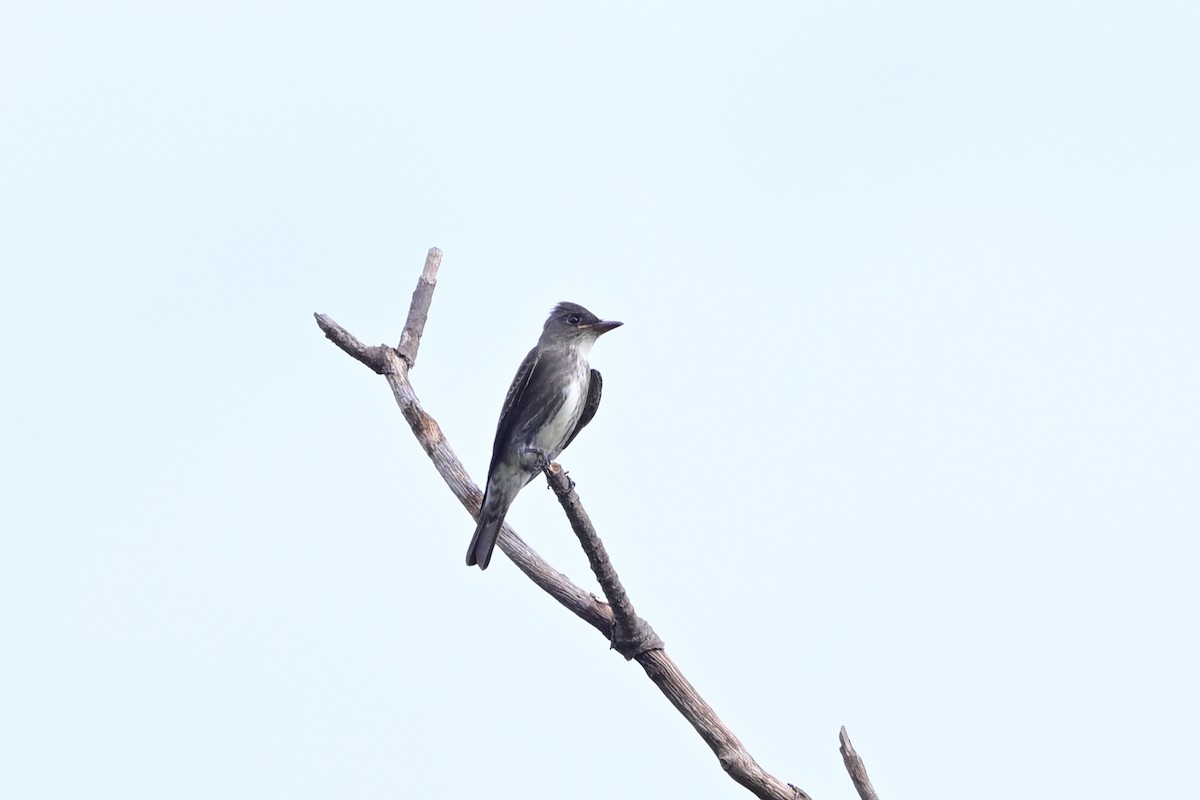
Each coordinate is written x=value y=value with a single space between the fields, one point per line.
x=562 y=421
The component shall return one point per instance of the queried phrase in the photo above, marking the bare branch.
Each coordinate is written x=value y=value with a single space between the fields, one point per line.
x=732 y=754
x=583 y=604
x=388 y=362
x=418 y=309
x=373 y=357
x=631 y=635
x=856 y=768
x=616 y=620
x=635 y=639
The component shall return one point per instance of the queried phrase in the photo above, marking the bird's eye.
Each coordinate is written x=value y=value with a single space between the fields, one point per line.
x=573 y=319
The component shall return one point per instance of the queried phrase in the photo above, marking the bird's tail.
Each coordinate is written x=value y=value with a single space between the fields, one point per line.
x=484 y=540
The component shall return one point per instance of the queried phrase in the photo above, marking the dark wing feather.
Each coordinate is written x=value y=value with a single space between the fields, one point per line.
x=512 y=401
x=595 y=387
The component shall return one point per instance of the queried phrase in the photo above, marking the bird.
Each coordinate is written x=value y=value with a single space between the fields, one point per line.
x=554 y=394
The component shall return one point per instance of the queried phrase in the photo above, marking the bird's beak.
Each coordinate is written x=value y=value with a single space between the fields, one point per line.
x=603 y=326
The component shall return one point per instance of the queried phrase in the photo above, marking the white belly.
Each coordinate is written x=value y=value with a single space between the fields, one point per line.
x=553 y=436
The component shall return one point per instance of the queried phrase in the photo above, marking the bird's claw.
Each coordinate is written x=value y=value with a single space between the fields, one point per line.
x=541 y=457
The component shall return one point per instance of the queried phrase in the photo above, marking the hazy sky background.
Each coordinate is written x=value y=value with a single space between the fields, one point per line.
x=901 y=431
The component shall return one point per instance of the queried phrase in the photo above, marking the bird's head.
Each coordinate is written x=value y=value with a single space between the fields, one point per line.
x=571 y=322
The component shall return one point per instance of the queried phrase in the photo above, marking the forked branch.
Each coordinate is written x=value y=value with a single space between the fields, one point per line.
x=616 y=620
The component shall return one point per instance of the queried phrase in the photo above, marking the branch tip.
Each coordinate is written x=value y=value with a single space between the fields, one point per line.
x=418 y=308
x=433 y=261
x=855 y=767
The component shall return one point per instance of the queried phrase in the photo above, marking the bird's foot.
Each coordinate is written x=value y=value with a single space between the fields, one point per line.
x=541 y=459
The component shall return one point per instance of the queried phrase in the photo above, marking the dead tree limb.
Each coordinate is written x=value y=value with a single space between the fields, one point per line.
x=616 y=620
x=856 y=768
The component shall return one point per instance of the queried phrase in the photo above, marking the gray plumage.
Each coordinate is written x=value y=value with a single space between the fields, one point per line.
x=552 y=397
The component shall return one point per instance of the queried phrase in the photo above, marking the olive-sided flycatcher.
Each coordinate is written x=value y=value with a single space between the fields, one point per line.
x=554 y=394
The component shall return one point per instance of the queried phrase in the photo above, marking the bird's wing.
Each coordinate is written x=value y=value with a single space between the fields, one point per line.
x=512 y=401
x=595 y=386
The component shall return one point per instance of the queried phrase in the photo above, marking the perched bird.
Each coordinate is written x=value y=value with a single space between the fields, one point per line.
x=554 y=394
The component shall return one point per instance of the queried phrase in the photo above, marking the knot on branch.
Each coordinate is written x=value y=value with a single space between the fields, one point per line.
x=736 y=761
x=634 y=640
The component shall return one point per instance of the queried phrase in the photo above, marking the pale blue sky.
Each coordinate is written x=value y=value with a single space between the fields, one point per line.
x=900 y=432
